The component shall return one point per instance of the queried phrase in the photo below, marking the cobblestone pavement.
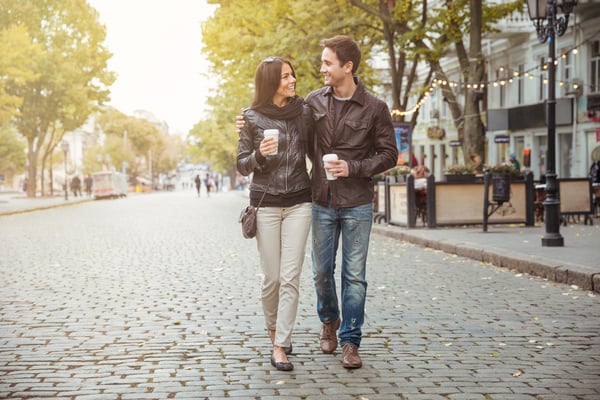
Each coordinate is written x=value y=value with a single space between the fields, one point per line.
x=157 y=297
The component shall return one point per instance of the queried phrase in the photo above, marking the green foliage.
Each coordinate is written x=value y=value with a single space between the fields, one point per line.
x=19 y=56
x=12 y=150
x=69 y=79
x=243 y=32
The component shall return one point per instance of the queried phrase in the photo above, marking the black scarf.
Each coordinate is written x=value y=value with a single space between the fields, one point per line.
x=290 y=111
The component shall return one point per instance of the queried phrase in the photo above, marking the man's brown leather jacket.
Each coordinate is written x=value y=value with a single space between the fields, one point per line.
x=363 y=136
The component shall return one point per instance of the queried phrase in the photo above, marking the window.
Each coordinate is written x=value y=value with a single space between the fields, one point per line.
x=595 y=67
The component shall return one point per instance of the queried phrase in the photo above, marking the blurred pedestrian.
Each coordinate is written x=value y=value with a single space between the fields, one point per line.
x=208 y=182
x=76 y=186
x=198 y=183
x=88 y=182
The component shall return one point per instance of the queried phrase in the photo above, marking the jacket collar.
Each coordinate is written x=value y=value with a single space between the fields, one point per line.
x=359 y=93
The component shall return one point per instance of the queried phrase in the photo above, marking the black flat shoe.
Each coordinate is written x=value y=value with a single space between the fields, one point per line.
x=288 y=350
x=282 y=366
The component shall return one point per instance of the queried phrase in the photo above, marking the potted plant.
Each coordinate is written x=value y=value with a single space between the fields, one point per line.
x=503 y=169
x=398 y=173
x=460 y=173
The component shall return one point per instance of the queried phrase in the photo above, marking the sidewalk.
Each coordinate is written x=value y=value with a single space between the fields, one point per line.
x=18 y=202
x=509 y=246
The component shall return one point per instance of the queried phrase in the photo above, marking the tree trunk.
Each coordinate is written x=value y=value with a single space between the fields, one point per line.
x=31 y=168
x=473 y=145
x=42 y=177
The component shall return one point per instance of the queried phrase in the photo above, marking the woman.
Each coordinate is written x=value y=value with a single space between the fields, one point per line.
x=283 y=220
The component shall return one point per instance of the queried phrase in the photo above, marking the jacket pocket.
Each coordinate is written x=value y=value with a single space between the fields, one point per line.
x=356 y=126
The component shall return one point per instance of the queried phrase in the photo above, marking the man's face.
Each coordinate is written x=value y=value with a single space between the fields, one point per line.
x=333 y=73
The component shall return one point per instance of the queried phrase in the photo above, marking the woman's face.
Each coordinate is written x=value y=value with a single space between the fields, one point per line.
x=287 y=86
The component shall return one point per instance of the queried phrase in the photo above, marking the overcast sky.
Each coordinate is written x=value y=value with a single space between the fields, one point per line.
x=156 y=55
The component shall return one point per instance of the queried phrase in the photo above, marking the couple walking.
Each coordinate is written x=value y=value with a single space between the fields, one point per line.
x=341 y=118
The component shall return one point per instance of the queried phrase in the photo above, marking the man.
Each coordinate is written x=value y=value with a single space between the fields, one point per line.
x=514 y=162
x=357 y=127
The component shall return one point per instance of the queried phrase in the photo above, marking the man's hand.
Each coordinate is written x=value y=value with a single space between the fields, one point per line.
x=338 y=168
x=239 y=123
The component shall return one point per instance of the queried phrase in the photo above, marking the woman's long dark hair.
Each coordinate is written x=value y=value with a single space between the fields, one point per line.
x=266 y=80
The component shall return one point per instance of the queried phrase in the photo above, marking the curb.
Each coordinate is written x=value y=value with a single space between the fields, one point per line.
x=41 y=207
x=570 y=274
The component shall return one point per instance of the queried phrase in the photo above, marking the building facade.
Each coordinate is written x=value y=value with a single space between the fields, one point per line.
x=513 y=99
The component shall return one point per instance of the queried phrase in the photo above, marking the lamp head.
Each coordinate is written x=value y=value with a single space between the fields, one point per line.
x=537 y=9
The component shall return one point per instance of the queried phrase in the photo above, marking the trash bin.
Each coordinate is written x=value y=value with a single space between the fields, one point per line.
x=500 y=188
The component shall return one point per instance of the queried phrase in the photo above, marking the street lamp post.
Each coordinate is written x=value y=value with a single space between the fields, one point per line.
x=65 y=148
x=548 y=26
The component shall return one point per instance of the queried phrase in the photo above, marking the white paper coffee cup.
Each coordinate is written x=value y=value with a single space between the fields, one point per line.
x=326 y=159
x=274 y=133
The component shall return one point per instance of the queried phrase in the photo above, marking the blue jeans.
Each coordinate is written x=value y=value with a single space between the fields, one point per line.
x=354 y=225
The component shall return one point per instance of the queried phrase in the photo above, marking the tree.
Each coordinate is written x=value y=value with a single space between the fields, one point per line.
x=71 y=75
x=413 y=33
x=239 y=35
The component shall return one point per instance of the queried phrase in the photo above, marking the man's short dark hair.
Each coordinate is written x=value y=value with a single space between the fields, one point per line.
x=345 y=48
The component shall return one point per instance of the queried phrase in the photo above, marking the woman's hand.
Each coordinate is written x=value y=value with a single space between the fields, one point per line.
x=267 y=146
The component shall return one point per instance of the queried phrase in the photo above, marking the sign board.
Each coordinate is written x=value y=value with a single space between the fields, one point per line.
x=399 y=204
x=402 y=133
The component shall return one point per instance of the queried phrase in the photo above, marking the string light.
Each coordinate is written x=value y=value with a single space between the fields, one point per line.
x=500 y=81
x=535 y=72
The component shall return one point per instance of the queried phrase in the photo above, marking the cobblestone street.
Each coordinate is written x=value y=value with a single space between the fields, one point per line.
x=157 y=296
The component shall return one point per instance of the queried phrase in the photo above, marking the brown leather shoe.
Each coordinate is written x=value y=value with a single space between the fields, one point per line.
x=351 y=359
x=328 y=336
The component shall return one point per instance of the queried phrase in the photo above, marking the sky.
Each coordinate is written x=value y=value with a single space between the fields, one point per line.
x=156 y=55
